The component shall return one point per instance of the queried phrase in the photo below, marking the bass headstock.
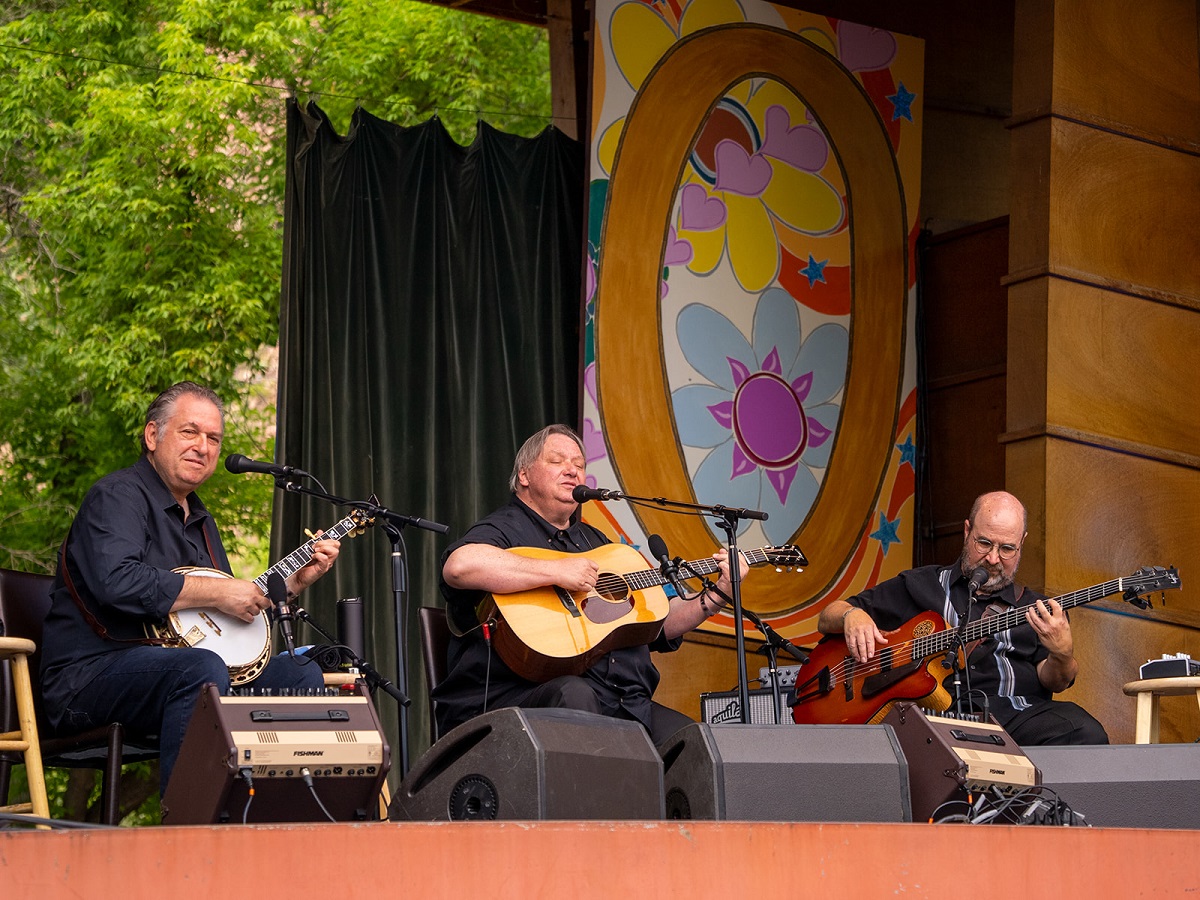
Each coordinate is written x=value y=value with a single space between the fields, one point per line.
x=1147 y=580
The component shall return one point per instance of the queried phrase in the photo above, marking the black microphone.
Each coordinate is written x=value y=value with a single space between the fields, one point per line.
x=277 y=591
x=240 y=465
x=658 y=549
x=774 y=637
x=582 y=493
x=979 y=578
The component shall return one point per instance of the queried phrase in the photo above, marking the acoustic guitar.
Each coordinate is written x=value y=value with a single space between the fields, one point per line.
x=547 y=632
x=833 y=688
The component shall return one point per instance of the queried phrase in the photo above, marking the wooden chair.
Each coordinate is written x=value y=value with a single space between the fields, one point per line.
x=435 y=639
x=16 y=683
x=24 y=604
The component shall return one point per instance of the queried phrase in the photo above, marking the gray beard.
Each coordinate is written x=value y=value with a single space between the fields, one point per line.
x=995 y=583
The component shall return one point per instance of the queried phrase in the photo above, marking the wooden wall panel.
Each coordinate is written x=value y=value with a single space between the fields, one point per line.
x=1028 y=336
x=1124 y=210
x=1029 y=219
x=1109 y=513
x=1122 y=367
x=1104 y=299
x=1128 y=65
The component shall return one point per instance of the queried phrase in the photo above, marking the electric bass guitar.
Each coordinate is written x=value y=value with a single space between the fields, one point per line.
x=833 y=688
x=244 y=647
x=547 y=632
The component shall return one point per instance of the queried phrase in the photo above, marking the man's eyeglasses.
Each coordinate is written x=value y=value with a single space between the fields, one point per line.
x=984 y=546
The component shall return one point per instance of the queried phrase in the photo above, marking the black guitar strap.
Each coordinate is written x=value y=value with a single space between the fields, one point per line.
x=88 y=616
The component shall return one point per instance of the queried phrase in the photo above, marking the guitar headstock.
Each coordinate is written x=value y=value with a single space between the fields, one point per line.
x=363 y=521
x=785 y=557
x=1147 y=580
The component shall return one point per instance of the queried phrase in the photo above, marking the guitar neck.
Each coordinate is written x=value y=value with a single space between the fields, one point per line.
x=645 y=578
x=941 y=641
x=300 y=557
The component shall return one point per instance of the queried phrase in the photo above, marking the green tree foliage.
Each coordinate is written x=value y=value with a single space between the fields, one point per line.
x=141 y=214
x=141 y=199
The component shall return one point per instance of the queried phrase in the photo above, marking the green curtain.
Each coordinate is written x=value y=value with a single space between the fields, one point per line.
x=429 y=323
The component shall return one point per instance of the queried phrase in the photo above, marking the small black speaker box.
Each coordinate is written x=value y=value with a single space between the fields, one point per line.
x=786 y=773
x=725 y=708
x=1126 y=785
x=535 y=764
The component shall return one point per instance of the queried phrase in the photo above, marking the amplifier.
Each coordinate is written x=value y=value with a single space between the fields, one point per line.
x=1178 y=665
x=723 y=708
x=278 y=759
x=947 y=758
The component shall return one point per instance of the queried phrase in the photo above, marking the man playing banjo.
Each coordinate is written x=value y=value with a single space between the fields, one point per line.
x=117 y=583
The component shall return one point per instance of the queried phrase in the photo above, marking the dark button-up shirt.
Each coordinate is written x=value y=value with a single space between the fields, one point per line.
x=1004 y=667
x=127 y=537
x=624 y=679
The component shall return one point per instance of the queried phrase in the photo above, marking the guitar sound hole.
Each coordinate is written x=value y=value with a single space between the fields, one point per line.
x=610 y=602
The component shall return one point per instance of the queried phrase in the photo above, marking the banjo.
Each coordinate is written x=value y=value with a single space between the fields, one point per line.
x=244 y=647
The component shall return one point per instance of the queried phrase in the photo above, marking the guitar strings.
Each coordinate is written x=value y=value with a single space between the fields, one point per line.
x=908 y=652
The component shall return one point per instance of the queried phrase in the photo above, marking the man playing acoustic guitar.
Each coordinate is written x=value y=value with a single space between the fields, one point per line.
x=115 y=577
x=1019 y=669
x=543 y=514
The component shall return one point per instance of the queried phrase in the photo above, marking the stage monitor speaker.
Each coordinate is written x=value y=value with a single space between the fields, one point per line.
x=785 y=773
x=535 y=764
x=724 y=708
x=949 y=757
x=308 y=759
x=1125 y=785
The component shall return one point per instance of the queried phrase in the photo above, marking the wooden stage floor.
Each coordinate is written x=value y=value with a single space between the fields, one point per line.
x=621 y=860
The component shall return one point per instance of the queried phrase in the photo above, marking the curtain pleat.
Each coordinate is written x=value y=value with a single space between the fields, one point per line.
x=429 y=323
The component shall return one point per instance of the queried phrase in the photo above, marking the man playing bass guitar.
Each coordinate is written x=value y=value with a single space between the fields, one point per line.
x=1017 y=670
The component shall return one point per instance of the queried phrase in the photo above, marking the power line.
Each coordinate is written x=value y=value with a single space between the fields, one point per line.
x=162 y=70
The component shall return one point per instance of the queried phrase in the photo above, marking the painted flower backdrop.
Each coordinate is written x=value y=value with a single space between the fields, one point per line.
x=767 y=411
x=755 y=296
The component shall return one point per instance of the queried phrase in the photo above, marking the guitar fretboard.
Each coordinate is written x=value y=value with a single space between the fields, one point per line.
x=300 y=557
x=941 y=641
x=645 y=578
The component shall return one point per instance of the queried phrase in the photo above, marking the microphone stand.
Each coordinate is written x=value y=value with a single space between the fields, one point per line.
x=773 y=671
x=771 y=647
x=727 y=519
x=392 y=523
x=952 y=655
x=372 y=675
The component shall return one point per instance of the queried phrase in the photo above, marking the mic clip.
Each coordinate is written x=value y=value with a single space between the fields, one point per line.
x=670 y=571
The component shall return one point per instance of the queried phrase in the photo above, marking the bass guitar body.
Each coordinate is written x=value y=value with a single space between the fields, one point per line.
x=833 y=688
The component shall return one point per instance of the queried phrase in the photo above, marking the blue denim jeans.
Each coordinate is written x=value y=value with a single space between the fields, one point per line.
x=152 y=691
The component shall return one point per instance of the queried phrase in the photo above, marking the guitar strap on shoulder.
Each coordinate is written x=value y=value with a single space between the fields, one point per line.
x=88 y=616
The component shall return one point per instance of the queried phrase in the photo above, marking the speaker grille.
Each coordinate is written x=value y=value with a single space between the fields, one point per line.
x=725 y=708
